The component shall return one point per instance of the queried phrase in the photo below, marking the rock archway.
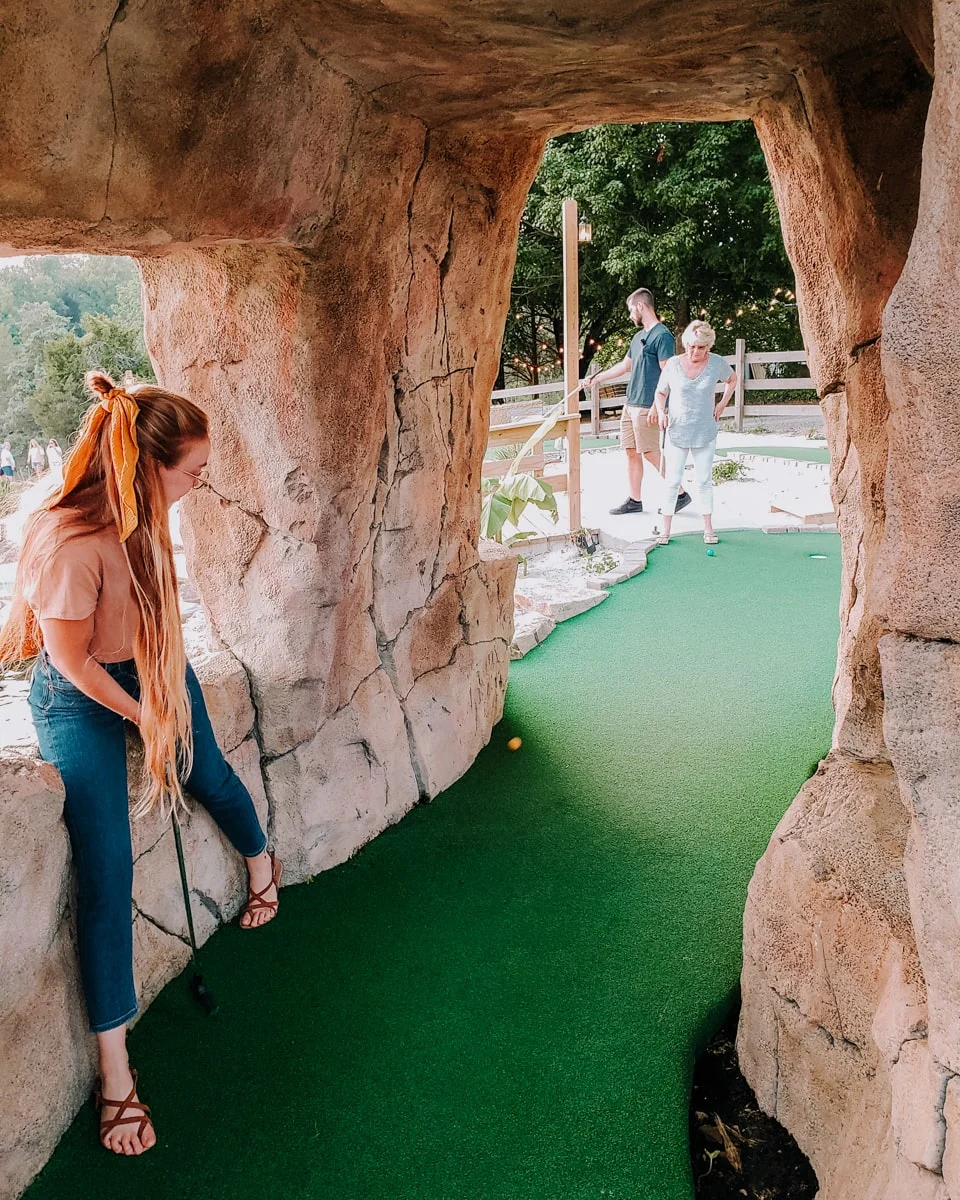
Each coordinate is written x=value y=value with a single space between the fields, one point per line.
x=323 y=200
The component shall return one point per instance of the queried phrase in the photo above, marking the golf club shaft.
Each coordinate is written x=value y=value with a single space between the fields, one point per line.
x=197 y=987
x=185 y=886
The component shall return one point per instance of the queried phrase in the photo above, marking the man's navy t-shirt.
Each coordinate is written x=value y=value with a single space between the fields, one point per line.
x=648 y=348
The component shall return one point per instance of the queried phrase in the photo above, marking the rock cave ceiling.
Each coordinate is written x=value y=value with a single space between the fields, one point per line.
x=563 y=63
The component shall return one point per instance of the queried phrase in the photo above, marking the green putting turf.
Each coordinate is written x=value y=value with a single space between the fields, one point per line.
x=818 y=454
x=501 y=997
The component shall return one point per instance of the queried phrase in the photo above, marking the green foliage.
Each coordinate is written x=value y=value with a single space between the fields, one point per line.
x=505 y=502
x=599 y=563
x=684 y=209
x=60 y=316
x=727 y=469
x=71 y=284
x=60 y=401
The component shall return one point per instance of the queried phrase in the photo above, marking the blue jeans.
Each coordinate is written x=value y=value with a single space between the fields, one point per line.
x=87 y=744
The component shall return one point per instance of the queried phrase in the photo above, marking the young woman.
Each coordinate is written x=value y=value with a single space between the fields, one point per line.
x=689 y=381
x=96 y=601
x=7 y=461
x=35 y=457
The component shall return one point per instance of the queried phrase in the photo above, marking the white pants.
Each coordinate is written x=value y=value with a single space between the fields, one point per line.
x=676 y=457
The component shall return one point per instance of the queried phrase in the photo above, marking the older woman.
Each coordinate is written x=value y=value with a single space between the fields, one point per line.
x=689 y=381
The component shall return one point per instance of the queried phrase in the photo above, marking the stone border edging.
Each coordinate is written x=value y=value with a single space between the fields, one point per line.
x=537 y=626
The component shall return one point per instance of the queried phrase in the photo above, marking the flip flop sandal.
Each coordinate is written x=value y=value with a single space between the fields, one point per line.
x=662 y=541
x=140 y=1113
x=711 y=540
x=255 y=900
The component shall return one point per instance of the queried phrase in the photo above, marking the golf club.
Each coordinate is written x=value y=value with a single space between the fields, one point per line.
x=196 y=984
x=663 y=472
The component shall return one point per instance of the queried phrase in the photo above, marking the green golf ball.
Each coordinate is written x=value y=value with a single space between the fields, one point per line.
x=711 y=553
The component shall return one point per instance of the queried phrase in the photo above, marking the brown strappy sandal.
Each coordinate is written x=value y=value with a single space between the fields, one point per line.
x=141 y=1116
x=255 y=901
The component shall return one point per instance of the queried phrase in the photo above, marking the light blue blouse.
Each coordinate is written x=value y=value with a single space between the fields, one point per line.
x=692 y=401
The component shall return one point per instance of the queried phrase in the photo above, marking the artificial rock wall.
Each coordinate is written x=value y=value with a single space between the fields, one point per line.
x=851 y=979
x=324 y=199
x=337 y=548
x=345 y=352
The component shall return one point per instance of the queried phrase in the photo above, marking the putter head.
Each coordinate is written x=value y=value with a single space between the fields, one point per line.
x=202 y=996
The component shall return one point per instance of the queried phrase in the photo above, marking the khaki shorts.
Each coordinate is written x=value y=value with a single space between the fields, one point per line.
x=635 y=433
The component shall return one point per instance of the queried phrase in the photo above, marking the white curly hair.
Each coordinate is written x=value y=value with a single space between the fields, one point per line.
x=698 y=333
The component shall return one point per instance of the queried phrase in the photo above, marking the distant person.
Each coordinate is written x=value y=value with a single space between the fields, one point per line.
x=55 y=460
x=689 y=381
x=36 y=457
x=650 y=349
x=7 y=461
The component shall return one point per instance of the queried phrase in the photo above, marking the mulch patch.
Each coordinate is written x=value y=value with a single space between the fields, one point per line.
x=736 y=1150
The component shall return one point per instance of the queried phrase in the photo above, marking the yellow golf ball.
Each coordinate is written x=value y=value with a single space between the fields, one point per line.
x=514 y=744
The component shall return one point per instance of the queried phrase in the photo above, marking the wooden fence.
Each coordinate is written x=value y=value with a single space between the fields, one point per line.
x=513 y=421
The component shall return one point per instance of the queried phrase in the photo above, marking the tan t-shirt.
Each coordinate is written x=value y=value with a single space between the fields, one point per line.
x=75 y=569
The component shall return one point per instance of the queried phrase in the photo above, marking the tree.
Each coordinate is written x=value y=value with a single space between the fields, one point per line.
x=684 y=209
x=60 y=316
x=116 y=347
x=60 y=400
x=72 y=284
x=37 y=324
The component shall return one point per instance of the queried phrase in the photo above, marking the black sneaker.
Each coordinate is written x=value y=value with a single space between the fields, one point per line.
x=628 y=506
x=683 y=500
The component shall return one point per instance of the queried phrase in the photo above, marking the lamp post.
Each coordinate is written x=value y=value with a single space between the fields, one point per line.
x=574 y=232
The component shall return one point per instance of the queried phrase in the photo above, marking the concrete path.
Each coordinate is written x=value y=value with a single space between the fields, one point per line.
x=801 y=488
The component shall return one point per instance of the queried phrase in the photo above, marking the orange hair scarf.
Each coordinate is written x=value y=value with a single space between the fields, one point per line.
x=122 y=410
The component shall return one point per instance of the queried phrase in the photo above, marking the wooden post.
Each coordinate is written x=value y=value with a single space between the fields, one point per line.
x=595 y=412
x=740 y=366
x=571 y=355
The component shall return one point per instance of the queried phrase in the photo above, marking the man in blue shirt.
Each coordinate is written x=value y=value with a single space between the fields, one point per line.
x=651 y=347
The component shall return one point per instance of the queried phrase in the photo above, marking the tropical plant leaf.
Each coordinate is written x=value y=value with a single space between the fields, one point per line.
x=494 y=513
x=506 y=503
x=537 y=436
